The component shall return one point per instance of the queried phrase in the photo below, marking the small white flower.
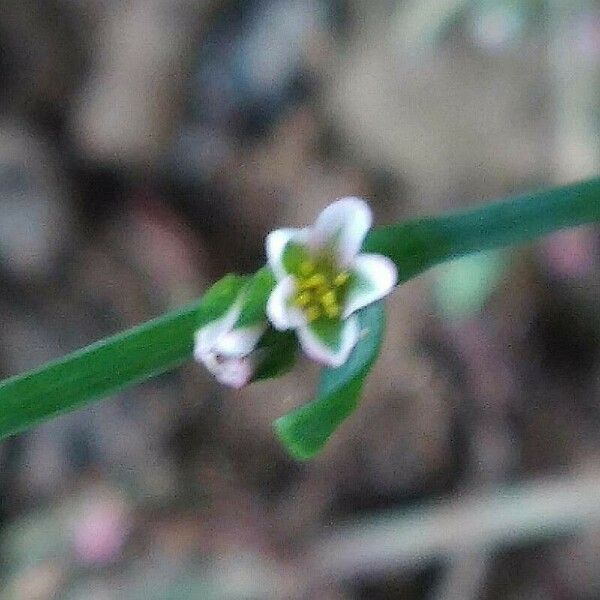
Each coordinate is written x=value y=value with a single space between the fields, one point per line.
x=226 y=349
x=322 y=280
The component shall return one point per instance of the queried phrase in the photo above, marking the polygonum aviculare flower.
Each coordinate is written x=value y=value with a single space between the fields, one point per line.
x=323 y=279
x=225 y=345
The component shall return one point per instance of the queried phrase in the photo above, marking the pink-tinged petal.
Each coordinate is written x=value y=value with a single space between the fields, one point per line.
x=280 y=310
x=233 y=372
x=332 y=353
x=275 y=245
x=240 y=341
x=373 y=277
x=342 y=226
x=207 y=336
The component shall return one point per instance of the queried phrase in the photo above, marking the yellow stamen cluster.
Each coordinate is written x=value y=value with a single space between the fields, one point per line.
x=320 y=290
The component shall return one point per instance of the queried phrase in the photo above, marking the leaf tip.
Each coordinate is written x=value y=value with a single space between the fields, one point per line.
x=285 y=428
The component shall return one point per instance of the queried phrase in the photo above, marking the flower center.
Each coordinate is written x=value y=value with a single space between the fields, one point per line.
x=320 y=289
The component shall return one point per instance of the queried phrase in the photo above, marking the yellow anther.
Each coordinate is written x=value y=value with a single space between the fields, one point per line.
x=313 y=312
x=328 y=298
x=341 y=278
x=315 y=280
x=317 y=288
x=307 y=267
x=332 y=311
x=303 y=299
x=321 y=290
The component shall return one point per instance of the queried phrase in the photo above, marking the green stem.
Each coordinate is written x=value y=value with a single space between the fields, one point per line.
x=166 y=342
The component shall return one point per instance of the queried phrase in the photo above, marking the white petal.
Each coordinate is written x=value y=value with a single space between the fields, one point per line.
x=234 y=372
x=317 y=350
x=275 y=245
x=345 y=223
x=209 y=360
x=282 y=314
x=241 y=341
x=207 y=336
x=374 y=277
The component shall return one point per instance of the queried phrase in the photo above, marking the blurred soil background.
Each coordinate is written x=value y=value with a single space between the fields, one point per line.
x=147 y=147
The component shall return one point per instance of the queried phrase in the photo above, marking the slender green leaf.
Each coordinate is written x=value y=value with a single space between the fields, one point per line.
x=111 y=364
x=305 y=431
x=418 y=245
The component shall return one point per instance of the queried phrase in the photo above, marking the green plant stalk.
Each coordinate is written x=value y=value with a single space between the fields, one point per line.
x=167 y=342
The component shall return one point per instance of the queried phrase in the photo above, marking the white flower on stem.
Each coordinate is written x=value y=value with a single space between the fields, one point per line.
x=225 y=348
x=323 y=279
